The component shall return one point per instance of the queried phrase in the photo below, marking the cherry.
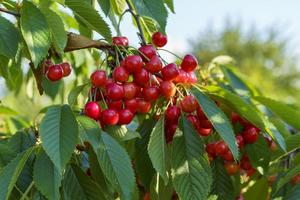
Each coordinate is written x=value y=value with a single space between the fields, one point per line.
x=154 y=65
x=98 y=78
x=251 y=171
x=151 y=93
x=132 y=105
x=117 y=105
x=170 y=72
x=147 y=51
x=170 y=130
x=272 y=179
x=228 y=156
x=167 y=89
x=204 y=131
x=125 y=116
x=143 y=106
x=120 y=74
x=295 y=179
x=54 y=73
x=120 y=41
x=245 y=163
x=189 y=63
x=189 y=104
x=235 y=117
x=108 y=81
x=240 y=141
x=141 y=78
x=191 y=77
x=210 y=149
x=114 y=91
x=231 y=167
x=221 y=148
x=194 y=120
x=200 y=113
x=134 y=63
x=95 y=93
x=250 y=135
x=172 y=114
x=92 y=110
x=110 y=117
x=130 y=90
x=66 y=68
x=147 y=196
x=159 y=39
x=182 y=77
x=205 y=123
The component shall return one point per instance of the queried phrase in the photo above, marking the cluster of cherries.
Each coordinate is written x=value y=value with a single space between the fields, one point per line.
x=55 y=72
x=136 y=84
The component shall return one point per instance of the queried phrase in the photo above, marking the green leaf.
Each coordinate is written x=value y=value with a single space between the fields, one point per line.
x=218 y=119
x=21 y=141
x=9 y=174
x=118 y=6
x=158 y=189
x=191 y=174
x=286 y=177
x=90 y=17
x=51 y=88
x=293 y=194
x=105 y=6
x=77 y=185
x=154 y=9
x=121 y=133
x=7 y=111
x=6 y=155
x=58 y=33
x=59 y=133
x=170 y=5
x=288 y=113
x=9 y=38
x=258 y=191
x=47 y=181
x=157 y=150
x=75 y=92
x=222 y=185
x=36 y=32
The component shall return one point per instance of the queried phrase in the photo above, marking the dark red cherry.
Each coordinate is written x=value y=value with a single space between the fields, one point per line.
x=147 y=52
x=250 y=135
x=189 y=63
x=170 y=130
x=92 y=110
x=210 y=149
x=228 y=156
x=189 y=104
x=200 y=113
x=66 y=68
x=141 y=78
x=159 y=39
x=120 y=41
x=114 y=91
x=130 y=90
x=98 y=78
x=240 y=141
x=54 y=73
x=154 y=65
x=117 y=105
x=205 y=123
x=151 y=93
x=134 y=63
x=172 y=114
x=125 y=116
x=132 y=105
x=170 y=72
x=245 y=163
x=120 y=74
x=143 y=106
x=167 y=89
x=110 y=117
x=194 y=120
x=221 y=148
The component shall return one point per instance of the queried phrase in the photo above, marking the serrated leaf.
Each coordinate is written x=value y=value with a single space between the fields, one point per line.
x=170 y=5
x=121 y=133
x=258 y=191
x=51 y=88
x=158 y=189
x=10 y=173
x=36 y=32
x=218 y=119
x=105 y=6
x=47 y=181
x=222 y=182
x=157 y=150
x=118 y=6
x=21 y=141
x=77 y=185
x=75 y=92
x=90 y=17
x=191 y=174
x=154 y=9
x=6 y=155
x=9 y=38
x=59 y=134
x=58 y=33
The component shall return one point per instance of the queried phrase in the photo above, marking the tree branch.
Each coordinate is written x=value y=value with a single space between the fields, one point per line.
x=10 y=12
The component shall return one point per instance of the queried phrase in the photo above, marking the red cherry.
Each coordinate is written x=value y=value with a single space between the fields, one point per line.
x=235 y=117
x=167 y=89
x=141 y=78
x=231 y=167
x=66 y=68
x=182 y=77
x=117 y=105
x=210 y=149
x=245 y=163
x=206 y=124
x=251 y=171
x=114 y=91
x=125 y=116
x=170 y=130
x=134 y=63
x=151 y=93
x=95 y=93
x=250 y=135
x=295 y=179
x=170 y=72
x=189 y=104
x=159 y=39
x=54 y=73
x=189 y=63
x=130 y=90
x=98 y=78
x=147 y=52
x=132 y=105
x=228 y=156
x=120 y=41
x=92 y=110
x=200 y=113
x=191 y=77
x=204 y=131
x=154 y=65
x=108 y=81
x=240 y=141
x=221 y=148
x=172 y=114
x=120 y=74
x=110 y=117
x=194 y=120
x=143 y=106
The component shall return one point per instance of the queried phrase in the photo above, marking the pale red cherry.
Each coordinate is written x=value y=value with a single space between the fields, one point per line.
x=167 y=89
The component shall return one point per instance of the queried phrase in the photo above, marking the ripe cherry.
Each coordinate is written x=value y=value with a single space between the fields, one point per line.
x=250 y=135
x=143 y=106
x=154 y=65
x=205 y=123
x=245 y=163
x=54 y=73
x=147 y=196
x=240 y=141
x=132 y=105
x=194 y=120
x=210 y=149
x=130 y=90
x=120 y=41
x=170 y=72
x=200 y=113
x=141 y=78
x=125 y=116
x=295 y=179
x=117 y=105
x=221 y=148
x=189 y=104
x=92 y=110
x=235 y=117
x=204 y=131
x=151 y=93
x=172 y=114
x=114 y=91
x=191 y=77
x=167 y=89
x=98 y=78
x=228 y=156
x=189 y=63
x=120 y=74
x=182 y=77
x=170 y=130
x=110 y=117
x=66 y=68
x=147 y=52
x=159 y=39
x=134 y=63
x=231 y=167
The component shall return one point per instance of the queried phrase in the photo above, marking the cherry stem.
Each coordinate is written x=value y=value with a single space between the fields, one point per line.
x=140 y=53
x=171 y=53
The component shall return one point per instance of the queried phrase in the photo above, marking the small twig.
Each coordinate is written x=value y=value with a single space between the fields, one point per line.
x=10 y=12
x=38 y=74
